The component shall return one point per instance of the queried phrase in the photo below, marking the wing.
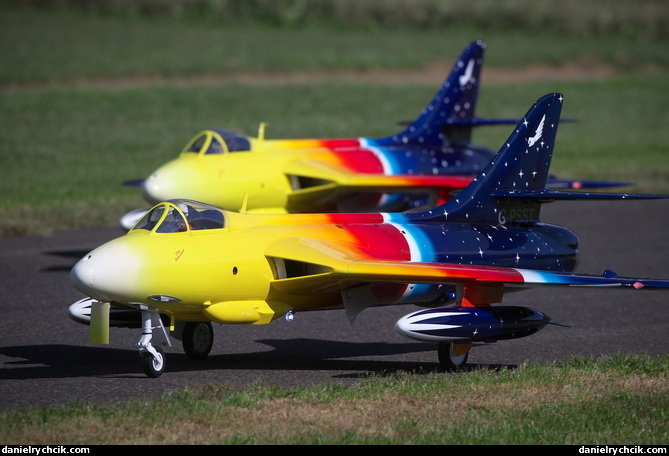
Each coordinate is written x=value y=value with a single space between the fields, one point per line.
x=317 y=183
x=331 y=266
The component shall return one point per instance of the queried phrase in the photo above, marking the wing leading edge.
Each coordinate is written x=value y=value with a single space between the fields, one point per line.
x=316 y=183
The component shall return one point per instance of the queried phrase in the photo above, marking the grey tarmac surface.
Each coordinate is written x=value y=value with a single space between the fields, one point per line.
x=46 y=360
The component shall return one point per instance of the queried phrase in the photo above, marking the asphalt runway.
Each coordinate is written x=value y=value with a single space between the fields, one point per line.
x=46 y=360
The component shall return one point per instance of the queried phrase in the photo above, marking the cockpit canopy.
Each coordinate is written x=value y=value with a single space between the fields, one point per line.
x=178 y=216
x=218 y=141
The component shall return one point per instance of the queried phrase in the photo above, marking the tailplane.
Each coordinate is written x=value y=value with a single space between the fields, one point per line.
x=454 y=104
x=451 y=115
x=512 y=188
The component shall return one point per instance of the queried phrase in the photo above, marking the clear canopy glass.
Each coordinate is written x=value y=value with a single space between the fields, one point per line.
x=178 y=216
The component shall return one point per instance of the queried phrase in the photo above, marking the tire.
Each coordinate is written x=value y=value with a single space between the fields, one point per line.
x=153 y=366
x=450 y=360
x=197 y=339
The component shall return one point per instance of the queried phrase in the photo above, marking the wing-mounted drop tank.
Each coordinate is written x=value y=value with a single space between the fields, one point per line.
x=476 y=324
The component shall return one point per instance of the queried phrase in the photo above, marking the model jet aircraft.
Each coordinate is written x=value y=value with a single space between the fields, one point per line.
x=187 y=264
x=417 y=167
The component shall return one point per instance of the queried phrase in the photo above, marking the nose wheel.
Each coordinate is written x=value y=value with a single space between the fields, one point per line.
x=153 y=362
x=153 y=356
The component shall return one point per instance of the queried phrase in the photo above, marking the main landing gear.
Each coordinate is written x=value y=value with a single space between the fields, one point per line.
x=197 y=339
x=453 y=355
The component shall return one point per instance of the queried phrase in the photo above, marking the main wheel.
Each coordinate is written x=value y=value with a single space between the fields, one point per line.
x=153 y=366
x=453 y=357
x=197 y=339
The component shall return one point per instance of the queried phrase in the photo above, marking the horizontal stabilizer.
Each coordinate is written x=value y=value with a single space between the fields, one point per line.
x=481 y=121
x=546 y=195
x=580 y=184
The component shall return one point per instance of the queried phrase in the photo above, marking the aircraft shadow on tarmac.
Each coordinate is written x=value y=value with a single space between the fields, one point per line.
x=63 y=361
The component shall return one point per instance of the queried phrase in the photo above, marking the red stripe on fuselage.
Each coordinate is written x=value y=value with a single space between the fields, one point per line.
x=360 y=160
x=382 y=242
x=354 y=157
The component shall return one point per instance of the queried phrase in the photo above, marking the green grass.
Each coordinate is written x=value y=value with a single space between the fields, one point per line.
x=90 y=100
x=616 y=400
x=67 y=151
x=43 y=45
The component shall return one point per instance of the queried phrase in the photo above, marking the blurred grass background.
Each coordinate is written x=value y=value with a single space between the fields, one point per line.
x=569 y=17
x=93 y=93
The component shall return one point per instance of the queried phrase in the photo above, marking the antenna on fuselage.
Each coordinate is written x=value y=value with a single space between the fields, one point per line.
x=261 y=130
x=244 y=204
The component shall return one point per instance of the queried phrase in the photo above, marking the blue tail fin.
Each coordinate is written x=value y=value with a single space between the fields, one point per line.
x=454 y=103
x=521 y=164
x=512 y=188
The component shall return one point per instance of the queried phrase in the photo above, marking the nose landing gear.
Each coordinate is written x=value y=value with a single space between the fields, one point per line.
x=153 y=357
x=153 y=361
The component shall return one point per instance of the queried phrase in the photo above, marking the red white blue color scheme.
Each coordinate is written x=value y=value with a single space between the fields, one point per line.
x=187 y=264
x=418 y=167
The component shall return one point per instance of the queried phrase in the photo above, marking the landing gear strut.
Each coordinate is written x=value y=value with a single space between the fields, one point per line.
x=153 y=357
